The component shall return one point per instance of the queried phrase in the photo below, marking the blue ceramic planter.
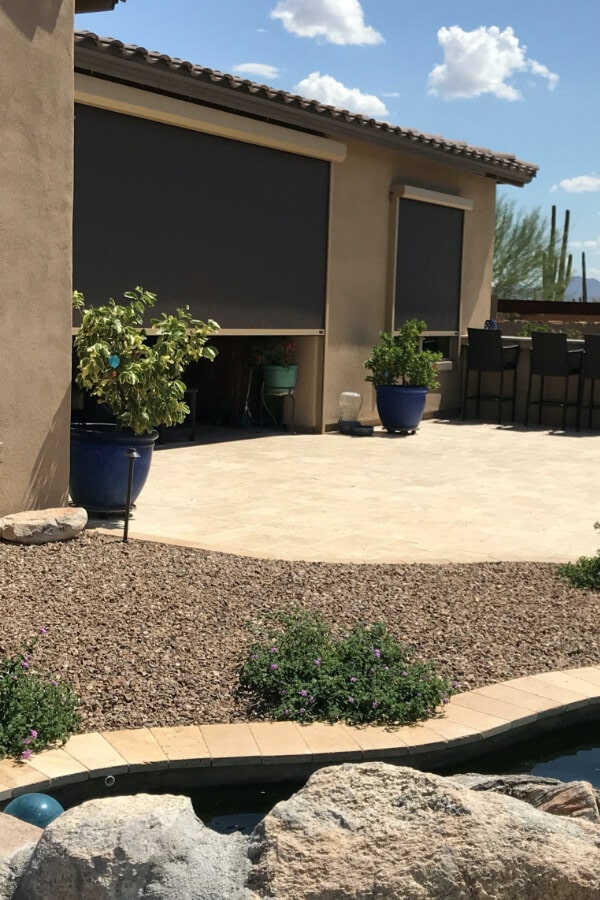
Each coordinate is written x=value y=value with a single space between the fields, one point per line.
x=100 y=467
x=400 y=407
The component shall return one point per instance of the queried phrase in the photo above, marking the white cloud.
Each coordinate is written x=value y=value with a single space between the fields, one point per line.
x=327 y=90
x=481 y=62
x=260 y=70
x=336 y=21
x=586 y=245
x=391 y=94
x=262 y=30
x=582 y=184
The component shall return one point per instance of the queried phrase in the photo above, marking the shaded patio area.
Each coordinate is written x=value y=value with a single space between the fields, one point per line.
x=453 y=492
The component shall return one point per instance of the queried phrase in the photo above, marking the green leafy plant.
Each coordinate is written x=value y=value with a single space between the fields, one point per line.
x=298 y=670
x=274 y=351
x=35 y=709
x=585 y=573
x=398 y=359
x=140 y=382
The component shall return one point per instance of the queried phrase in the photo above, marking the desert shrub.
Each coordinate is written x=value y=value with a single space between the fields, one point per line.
x=36 y=710
x=585 y=573
x=297 y=669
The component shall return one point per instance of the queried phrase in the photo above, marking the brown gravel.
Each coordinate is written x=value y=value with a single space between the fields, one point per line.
x=150 y=634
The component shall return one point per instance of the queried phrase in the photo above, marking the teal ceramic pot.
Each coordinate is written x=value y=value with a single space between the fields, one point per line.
x=280 y=377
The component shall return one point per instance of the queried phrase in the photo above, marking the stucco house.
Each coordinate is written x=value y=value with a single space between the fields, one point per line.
x=267 y=211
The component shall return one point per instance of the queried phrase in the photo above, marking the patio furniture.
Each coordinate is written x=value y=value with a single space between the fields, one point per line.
x=265 y=392
x=590 y=372
x=551 y=358
x=486 y=353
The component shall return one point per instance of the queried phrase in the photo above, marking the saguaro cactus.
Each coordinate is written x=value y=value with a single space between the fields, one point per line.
x=583 y=279
x=556 y=272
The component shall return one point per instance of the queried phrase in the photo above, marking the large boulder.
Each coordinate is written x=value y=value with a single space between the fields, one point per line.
x=576 y=799
x=40 y=526
x=377 y=830
x=17 y=843
x=121 y=848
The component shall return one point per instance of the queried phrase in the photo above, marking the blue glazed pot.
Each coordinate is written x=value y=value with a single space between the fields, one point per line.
x=100 y=467
x=400 y=407
x=280 y=377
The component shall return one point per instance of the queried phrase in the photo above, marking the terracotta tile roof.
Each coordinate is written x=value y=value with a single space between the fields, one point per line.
x=504 y=166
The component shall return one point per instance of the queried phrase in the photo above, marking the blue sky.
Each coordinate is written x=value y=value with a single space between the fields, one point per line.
x=518 y=77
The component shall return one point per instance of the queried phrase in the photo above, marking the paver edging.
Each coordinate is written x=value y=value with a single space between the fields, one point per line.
x=464 y=726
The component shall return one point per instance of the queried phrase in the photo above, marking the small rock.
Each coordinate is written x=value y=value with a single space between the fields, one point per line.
x=575 y=799
x=17 y=843
x=40 y=526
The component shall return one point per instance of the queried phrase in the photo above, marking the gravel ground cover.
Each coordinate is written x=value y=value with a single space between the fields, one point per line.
x=150 y=634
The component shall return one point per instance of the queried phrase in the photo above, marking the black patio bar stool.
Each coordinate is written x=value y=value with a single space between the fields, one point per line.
x=591 y=373
x=551 y=358
x=487 y=353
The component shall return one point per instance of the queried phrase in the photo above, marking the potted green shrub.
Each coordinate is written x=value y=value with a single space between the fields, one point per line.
x=402 y=373
x=277 y=358
x=140 y=384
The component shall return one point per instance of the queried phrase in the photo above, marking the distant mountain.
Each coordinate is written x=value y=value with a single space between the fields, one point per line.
x=573 y=292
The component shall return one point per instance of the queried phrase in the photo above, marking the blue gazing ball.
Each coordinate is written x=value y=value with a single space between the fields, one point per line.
x=37 y=809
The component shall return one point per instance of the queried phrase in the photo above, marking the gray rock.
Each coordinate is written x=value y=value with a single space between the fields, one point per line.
x=142 y=846
x=379 y=831
x=40 y=526
x=17 y=843
x=576 y=799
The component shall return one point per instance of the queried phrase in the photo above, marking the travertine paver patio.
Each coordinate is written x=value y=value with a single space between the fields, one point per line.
x=453 y=492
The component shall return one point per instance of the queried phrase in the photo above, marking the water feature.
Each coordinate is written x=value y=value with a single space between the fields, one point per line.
x=569 y=755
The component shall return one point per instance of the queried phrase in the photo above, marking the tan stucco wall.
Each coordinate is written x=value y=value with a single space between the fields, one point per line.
x=36 y=99
x=359 y=291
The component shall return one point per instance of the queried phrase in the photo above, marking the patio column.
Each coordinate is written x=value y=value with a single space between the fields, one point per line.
x=36 y=174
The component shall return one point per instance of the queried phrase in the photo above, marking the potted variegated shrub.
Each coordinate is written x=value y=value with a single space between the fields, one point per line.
x=139 y=381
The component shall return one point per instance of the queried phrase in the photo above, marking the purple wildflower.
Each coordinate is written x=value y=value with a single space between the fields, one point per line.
x=353 y=680
x=26 y=740
x=311 y=699
x=33 y=733
x=286 y=712
x=350 y=699
x=274 y=650
x=303 y=693
x=317 y=662
x=446 y=700
x=43 y=630
x=273 y=666
x=377 y=652
x=302 y=710
x=455 y=684
x=374 y=704
x=26 y=754
x=53 y=682
x=405 y=674
x=24 y=664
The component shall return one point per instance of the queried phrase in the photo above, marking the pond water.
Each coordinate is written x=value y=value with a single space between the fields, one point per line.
x=570 y=755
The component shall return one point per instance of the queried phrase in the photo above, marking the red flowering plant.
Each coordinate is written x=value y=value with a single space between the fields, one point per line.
x=274 y=351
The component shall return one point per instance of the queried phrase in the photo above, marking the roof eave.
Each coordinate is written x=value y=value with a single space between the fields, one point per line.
x=87 y=6
x=159 y=76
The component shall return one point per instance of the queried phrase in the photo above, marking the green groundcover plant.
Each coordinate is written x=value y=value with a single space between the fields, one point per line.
x=298 y=670
x=585 y=572
x=35 y=710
